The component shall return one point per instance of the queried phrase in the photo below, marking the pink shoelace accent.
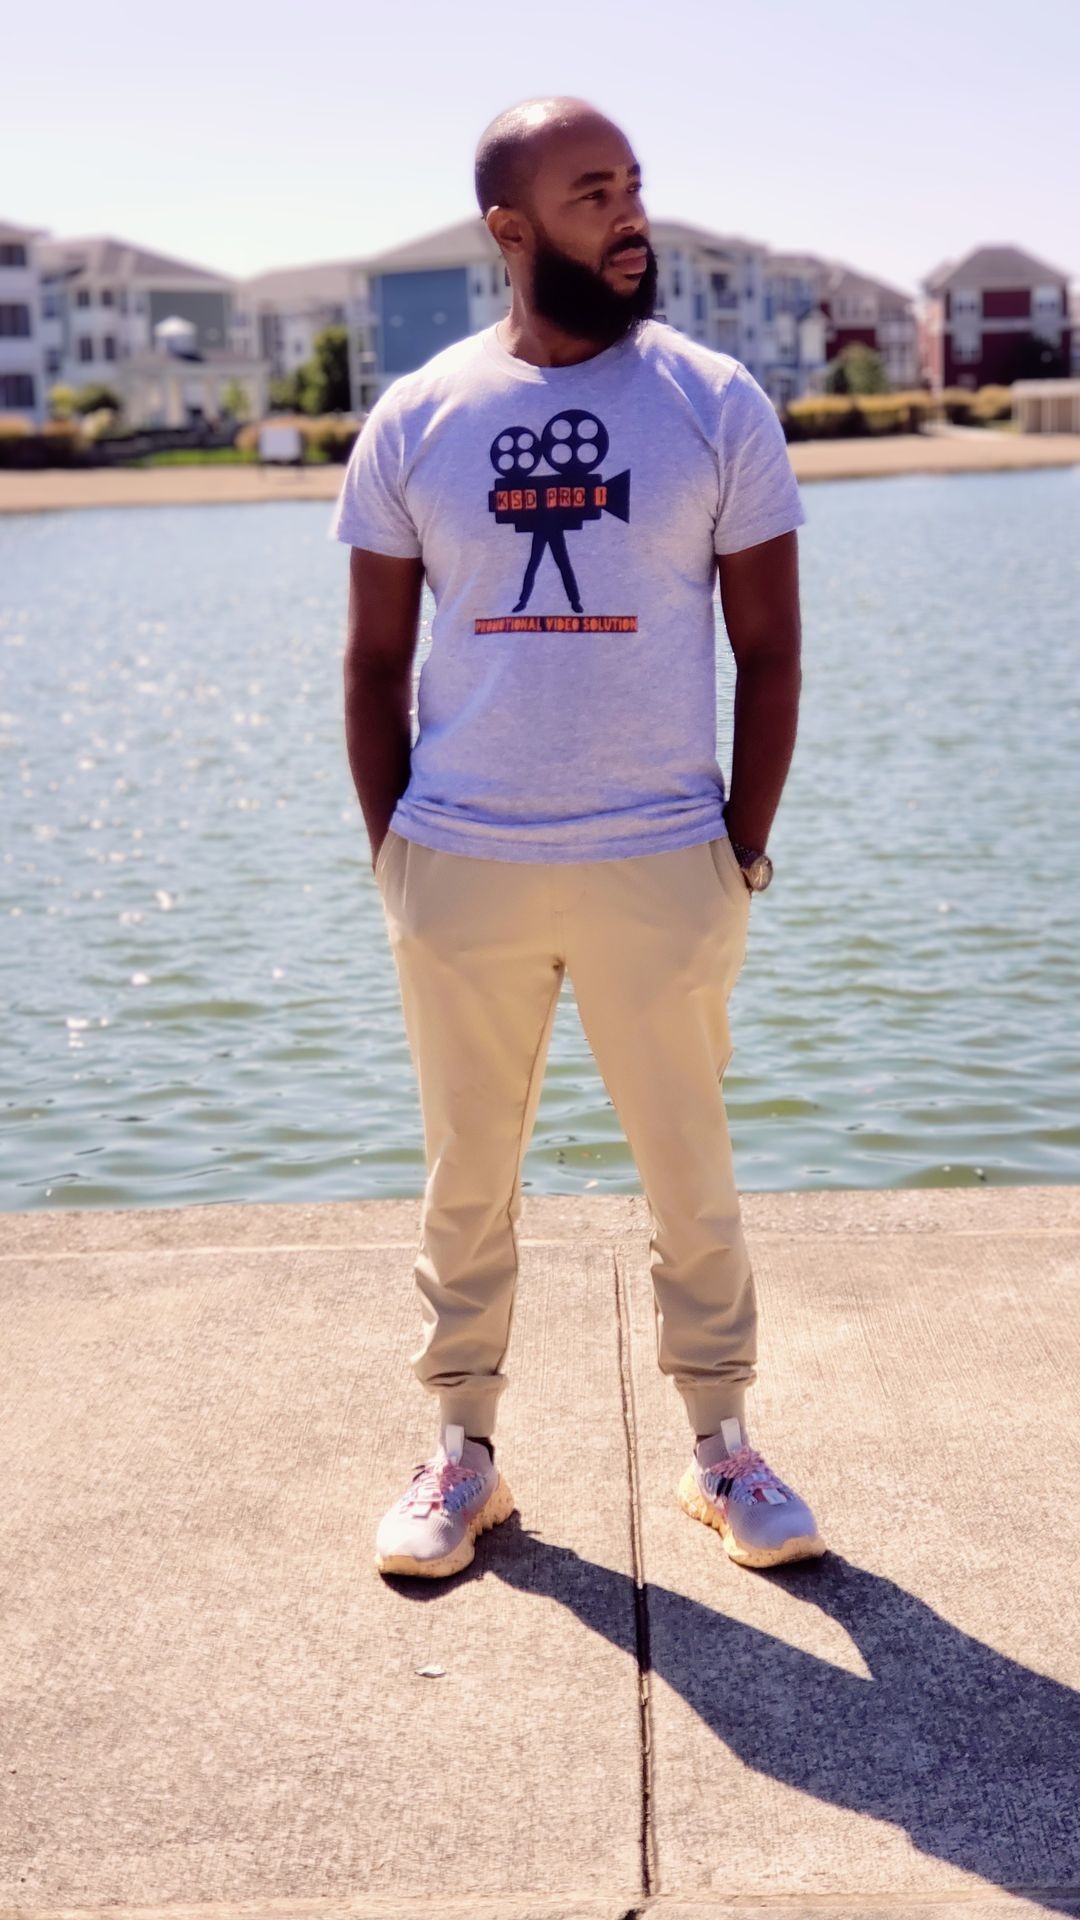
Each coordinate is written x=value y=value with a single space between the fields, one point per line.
x=748 y=1468
x=432 y=1479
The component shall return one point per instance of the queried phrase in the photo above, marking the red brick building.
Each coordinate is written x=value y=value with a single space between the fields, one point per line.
x=996 y=316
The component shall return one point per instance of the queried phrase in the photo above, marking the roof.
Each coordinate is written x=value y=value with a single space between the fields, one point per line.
x=470 y=241
x=842 y=279
x=104 y=257
x=993 y=266
x=11 y=229
x=456 y=246
x=328 y=283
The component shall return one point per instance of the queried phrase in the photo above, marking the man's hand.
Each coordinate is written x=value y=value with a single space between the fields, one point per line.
x=759 y=594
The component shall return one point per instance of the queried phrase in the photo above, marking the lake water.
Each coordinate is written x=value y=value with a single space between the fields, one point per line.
x=200 y=999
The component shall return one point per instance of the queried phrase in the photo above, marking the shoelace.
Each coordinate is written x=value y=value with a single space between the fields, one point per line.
x=746 y=1468
x=432 y=1480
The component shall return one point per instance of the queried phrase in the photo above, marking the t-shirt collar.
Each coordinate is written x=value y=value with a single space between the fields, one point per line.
x=597 y=363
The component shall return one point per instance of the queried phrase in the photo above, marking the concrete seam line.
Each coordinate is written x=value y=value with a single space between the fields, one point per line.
x=642 y=1644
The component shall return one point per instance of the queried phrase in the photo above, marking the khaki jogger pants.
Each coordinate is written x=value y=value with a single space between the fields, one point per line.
x=653 y=945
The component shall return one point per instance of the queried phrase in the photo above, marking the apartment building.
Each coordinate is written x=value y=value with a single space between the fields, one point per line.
x=157 y=330
x=861 y=309
x=410 y=302
x=22 y=348
x=278 y=316
x=795 y=326
x=993 y=316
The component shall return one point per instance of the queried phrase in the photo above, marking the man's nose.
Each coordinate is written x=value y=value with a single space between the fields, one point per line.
x=633 y=219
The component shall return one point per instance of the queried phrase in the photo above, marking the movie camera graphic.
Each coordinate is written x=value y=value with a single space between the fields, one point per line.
x=550 y=505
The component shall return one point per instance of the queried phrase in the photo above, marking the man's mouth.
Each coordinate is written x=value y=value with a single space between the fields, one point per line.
x=631 y=260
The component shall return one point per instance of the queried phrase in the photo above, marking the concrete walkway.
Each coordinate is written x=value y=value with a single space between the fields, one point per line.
x=212 y=1705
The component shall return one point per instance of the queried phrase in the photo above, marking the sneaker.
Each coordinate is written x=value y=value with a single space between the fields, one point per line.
x=760 y=1519
x=451 y=1498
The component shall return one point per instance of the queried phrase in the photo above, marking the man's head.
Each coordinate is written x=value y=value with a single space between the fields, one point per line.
x=560 y=192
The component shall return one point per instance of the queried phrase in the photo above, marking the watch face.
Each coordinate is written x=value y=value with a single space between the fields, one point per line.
x=759 y=872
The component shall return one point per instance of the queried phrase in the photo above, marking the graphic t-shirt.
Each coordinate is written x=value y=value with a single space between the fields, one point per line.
x=569 y=520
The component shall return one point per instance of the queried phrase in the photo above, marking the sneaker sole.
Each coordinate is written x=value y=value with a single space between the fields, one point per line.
x=499 y=1507
x=803 y=1546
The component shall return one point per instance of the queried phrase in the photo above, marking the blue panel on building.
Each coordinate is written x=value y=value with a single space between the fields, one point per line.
x=419 y=314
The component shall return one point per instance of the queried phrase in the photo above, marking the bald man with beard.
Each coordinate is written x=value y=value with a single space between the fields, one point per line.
x=573 y=482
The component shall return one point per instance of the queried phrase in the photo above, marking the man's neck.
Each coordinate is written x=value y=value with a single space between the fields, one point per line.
x=529 y=337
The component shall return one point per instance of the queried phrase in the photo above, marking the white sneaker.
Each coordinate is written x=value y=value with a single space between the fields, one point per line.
x=458 y=1493
x=760 y=1519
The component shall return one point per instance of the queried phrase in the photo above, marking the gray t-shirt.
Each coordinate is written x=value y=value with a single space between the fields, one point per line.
x=569 y=520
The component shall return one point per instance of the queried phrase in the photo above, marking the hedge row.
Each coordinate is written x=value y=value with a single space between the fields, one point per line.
x=827 y=416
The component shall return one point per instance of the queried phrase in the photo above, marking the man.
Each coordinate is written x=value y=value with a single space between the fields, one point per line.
x=562 y=808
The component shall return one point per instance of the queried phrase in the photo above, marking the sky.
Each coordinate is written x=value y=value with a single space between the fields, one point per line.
x=245 y=138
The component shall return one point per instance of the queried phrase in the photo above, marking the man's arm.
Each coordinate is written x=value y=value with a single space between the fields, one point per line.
x=759 y=593
x=383 y=627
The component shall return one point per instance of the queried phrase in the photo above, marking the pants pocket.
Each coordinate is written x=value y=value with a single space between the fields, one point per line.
x=728 y=871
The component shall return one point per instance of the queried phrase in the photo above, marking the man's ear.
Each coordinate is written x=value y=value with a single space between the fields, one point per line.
x=509 y=229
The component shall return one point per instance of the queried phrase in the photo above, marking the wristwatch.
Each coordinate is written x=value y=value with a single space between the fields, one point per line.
x=757 y=868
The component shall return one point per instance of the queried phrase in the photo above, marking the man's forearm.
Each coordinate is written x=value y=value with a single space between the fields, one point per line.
x=378 y=739
x=765 y=722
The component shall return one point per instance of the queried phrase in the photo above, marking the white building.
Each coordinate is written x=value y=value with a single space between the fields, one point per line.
x=22 y=346
x=278 y=316
x=116 y=313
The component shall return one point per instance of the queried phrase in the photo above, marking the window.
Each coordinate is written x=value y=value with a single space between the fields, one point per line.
x=16 y=390
x=966 y=346
x=106 y=297
x=699 y=306
x=86 y=349
x=109 y=344
x=82 y=297
x=966 y=302
x=14 y=321
x=676 y=284
x=12 y=254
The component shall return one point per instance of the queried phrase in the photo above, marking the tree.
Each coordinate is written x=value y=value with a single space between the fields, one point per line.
x=856 y=369
x=94 y=396
x=234 y=400
x=325 y=377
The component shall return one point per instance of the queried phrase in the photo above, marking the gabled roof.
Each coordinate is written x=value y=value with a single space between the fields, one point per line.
x=841 y=279
x=994 y=266
x=457 y=246
x=11 y=230
x=470 y=241
x=103 y=257
x=326 y=284
x=681 y=233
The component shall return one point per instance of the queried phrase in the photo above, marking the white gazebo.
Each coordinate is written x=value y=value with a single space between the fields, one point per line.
x=1046 y=406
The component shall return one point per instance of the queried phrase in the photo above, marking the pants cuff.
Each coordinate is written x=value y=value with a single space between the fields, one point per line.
x=708 y=1407
x=474 y=1410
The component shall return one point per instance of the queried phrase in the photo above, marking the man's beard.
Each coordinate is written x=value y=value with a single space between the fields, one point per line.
x=579 y=300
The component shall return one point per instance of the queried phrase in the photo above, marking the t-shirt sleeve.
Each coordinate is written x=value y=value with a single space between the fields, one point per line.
x=371 y=510
x=759 y=494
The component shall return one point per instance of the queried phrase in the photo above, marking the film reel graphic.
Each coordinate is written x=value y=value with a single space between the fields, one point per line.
x=559 y=501
x=516 y=454
x=574 y=442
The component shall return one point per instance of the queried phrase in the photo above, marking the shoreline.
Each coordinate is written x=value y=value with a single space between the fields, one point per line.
x=57 y=489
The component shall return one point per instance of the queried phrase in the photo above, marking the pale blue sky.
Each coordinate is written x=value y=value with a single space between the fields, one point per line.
x=250 y=137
